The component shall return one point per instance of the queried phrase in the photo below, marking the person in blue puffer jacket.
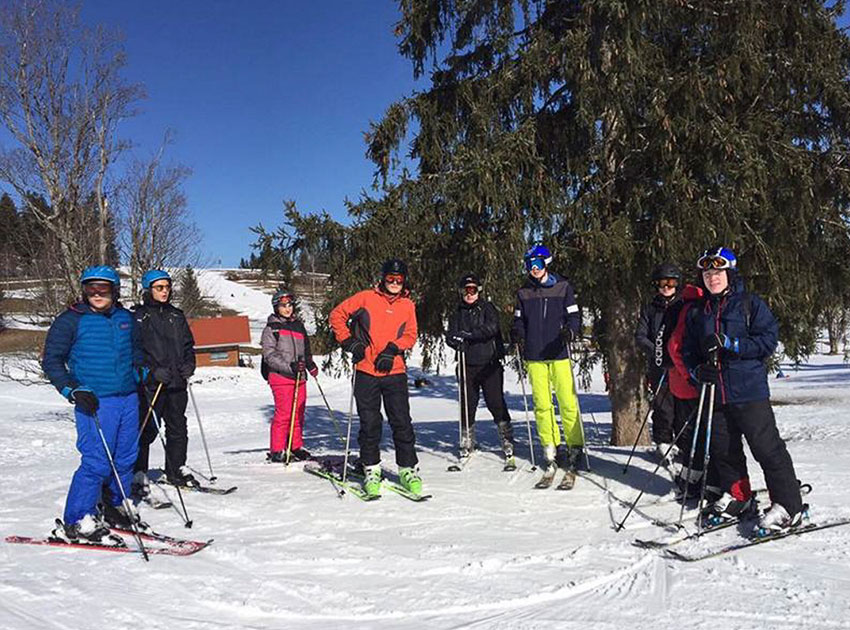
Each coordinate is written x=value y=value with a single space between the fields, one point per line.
x=90 y=355
x=728 y=338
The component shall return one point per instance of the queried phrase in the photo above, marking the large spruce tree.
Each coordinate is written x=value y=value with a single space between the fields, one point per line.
x=620 y=134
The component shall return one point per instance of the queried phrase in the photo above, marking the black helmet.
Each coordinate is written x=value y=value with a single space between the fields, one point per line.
x=666 y=270
x=467 y=279
x=394 y=265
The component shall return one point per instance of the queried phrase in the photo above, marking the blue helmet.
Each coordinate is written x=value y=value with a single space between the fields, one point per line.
x=104 y=273
x=538 y=252
x=151 y=276
x=717 y=258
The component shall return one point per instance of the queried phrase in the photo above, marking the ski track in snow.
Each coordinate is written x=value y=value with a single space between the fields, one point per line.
x=488 y=551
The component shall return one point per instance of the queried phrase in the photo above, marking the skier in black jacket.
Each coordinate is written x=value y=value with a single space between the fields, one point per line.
x=169 y=361
x=651 y=336
x=474 y=330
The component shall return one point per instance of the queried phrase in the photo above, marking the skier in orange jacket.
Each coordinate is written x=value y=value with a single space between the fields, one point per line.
x=376 y=326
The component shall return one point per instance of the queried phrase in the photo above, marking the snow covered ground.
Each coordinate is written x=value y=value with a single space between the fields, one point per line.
x=487 y=551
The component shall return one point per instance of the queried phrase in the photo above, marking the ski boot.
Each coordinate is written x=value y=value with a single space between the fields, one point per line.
x=117 y=516
x=301 y=454
x=410 y=480
x=140 y=488
x=776 y=520
x=726 y=508
x=276 y=457
x=574 y=454
x=372 y=480
x=181 y=477
x=88 y=529
x=549 y=469
x=666 y=453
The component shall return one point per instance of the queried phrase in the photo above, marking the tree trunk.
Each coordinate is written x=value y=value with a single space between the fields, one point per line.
x=627 y=394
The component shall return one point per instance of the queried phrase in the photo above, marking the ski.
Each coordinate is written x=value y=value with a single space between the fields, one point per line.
x=156 y=504
x=568 y=482
x=754 y=540
x=170 y=550
x=394 y=486
x=546 y=480
x=663 y=543
x=199 y=488
x=353 y=488
x=150 y=535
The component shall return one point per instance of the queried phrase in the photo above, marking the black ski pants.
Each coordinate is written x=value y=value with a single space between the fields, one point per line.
x=755 y=422
x=488 y=379
x=369 y=392
x=685 y=411
x=663 y=414
x=170 y=410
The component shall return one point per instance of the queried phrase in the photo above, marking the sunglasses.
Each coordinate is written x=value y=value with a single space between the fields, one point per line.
x=535 y=263
x=394 y=278
x=99 y=289
x=667 y=283
x=470 y=290
x=713 y=262
x=161 y=287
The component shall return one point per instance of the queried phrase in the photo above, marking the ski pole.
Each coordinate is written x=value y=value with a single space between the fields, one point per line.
x=706 y=456
x=525 y=403
x=459 y=402
x=348 y=433
x=124 y=500
x=697 y=428
x=649 y=412
x=292 y=415
x=330 y=411
x=580 y=420
x=201 y=427
x=153 y=402
x=186 y=521
x=655 y=470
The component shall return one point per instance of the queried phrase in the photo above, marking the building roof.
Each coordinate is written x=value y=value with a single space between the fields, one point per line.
x=220 y=331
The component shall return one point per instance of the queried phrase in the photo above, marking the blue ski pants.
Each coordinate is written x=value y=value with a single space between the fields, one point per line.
x=119 y=419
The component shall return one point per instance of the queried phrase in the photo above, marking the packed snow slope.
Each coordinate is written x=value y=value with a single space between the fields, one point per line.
x=487 y=551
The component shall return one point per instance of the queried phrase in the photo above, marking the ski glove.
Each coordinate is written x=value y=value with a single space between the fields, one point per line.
x=162 y=375
x=460 y=338
x=187 y=370
x=356 y=347
x=298 y=367
x=142 y=376
x=312 y=368
x=718 y=341
x=568 y=335
x=85 y=400
x=384 y=361
x=706 y=373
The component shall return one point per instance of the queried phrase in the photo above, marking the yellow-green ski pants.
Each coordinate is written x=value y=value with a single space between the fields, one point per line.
x=557 y=376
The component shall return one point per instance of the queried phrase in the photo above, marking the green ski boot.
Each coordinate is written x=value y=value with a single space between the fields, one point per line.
x=372 y=480
x=410 y=480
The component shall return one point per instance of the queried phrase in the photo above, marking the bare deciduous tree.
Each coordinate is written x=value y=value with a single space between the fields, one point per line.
x=62 y=98
x=157 y=228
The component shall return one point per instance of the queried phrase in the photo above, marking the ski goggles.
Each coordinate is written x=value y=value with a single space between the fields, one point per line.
x=286 y=300
x=470 y=289
x=667 y=283
x=161 y=287
x=535 y=263
x=712 y=261
x=394 y=278
x=97 y=289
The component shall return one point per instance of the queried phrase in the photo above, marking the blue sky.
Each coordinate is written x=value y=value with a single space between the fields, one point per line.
x=269 y=101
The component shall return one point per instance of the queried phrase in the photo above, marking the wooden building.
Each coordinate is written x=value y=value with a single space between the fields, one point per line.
x=217 y=339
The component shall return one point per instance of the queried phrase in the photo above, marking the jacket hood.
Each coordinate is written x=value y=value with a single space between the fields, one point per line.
x=692 y=292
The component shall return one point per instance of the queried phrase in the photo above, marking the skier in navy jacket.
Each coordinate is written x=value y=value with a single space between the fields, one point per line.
x=90 y=356
x=728 y=338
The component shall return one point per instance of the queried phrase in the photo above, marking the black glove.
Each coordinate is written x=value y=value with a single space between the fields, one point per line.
x=716 y=341
x=706 y=373
x=187 y=370
x=298 y=367
x=460 y=338
x=85 y=400
x=356 y=347
x=384 y=361
x=568 y=335
x=162 y=375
